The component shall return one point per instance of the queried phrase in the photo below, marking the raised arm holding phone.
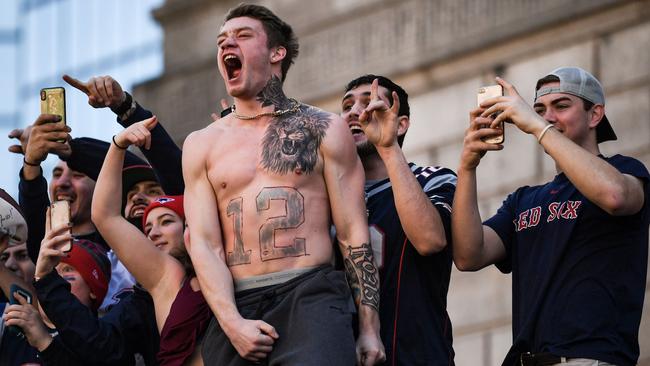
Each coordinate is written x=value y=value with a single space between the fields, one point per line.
x=569 y=243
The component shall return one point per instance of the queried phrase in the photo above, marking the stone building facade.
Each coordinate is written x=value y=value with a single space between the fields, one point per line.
x=441 y=51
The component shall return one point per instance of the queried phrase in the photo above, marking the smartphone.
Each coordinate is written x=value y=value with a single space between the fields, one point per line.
x=13 y=301
x=53 y=102
x=60 y=215
x=487 y=92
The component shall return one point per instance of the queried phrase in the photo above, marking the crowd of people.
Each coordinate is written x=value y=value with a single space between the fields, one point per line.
x=283 y=234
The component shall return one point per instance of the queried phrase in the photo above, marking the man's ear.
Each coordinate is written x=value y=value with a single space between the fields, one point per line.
x=277 y=54
x=597 y=114
x=403 y=124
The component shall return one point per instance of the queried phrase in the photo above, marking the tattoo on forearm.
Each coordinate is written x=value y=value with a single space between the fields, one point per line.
x=292 y=140
x=363 y=275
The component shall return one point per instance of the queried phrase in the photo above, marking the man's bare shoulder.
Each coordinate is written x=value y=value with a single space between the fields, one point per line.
x=209 y=133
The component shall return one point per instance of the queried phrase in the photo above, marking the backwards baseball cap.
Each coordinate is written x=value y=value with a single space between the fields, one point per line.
x=92 y=263
x=174 y=203
x=578 y=82
x=12 y=222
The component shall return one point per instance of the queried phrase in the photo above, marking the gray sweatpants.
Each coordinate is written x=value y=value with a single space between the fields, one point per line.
x=311 y=313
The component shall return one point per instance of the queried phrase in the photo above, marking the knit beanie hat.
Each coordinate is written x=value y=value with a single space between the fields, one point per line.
x=92 y=263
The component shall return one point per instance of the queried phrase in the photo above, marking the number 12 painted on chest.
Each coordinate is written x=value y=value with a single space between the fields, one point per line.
x=293 y=218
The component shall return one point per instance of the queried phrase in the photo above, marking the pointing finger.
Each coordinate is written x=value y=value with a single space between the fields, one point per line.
x=76 y=84
x=151 y=122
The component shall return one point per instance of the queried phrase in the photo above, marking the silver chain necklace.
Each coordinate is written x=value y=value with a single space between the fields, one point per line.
x=281 y=112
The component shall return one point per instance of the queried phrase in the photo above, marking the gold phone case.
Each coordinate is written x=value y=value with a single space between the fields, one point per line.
x=53 y=101
x=59 y=216
x=487 y=92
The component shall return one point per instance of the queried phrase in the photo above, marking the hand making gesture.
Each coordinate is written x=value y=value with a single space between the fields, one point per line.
x=138 y=134
x=379 y=122
x=102 y=91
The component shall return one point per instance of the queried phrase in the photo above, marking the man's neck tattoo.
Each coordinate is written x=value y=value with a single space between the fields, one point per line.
x=291 y=141
x=272 y=94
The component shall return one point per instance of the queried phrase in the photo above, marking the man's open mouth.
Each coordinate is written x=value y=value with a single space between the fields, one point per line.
x=356 y=129
x=233 y=66
x=65 y=197
x=137 y=210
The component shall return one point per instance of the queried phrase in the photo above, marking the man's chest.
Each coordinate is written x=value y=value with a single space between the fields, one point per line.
x=282 y=151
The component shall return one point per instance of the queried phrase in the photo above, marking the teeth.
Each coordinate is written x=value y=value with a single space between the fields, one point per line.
x=355 y=129
x=229 y=57
x=62 y=197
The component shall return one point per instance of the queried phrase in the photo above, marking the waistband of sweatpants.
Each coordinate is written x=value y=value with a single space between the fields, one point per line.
x=278 y=282
x=540 y=359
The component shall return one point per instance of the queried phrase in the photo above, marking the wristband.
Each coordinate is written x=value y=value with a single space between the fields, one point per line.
x=125 y=106
x=541 y=135
x=118 y=146
x=28 y=163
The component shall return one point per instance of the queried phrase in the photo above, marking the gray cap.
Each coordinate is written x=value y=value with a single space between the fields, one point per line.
x=12 y=222
x=578 y=82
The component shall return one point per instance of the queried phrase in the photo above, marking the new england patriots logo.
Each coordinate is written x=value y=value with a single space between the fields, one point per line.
x=164 y=200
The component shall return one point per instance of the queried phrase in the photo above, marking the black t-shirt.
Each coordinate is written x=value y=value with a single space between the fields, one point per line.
x=578 y=273
x=415 y=326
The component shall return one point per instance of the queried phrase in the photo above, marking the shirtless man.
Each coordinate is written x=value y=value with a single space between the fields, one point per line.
x=263 y=185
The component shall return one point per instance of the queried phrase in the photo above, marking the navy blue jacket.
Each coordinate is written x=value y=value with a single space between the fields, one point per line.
x=127 y=329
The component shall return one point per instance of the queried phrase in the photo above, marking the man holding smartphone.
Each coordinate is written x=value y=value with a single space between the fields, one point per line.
x=73 y=180
x=577 y=246
x=409 y=213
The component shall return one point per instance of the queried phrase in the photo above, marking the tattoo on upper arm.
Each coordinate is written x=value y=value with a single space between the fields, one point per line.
x=291 y=141
x=294 y=216
x=362 y=275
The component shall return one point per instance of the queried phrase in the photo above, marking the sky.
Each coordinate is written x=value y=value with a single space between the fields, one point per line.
x=40 y=40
